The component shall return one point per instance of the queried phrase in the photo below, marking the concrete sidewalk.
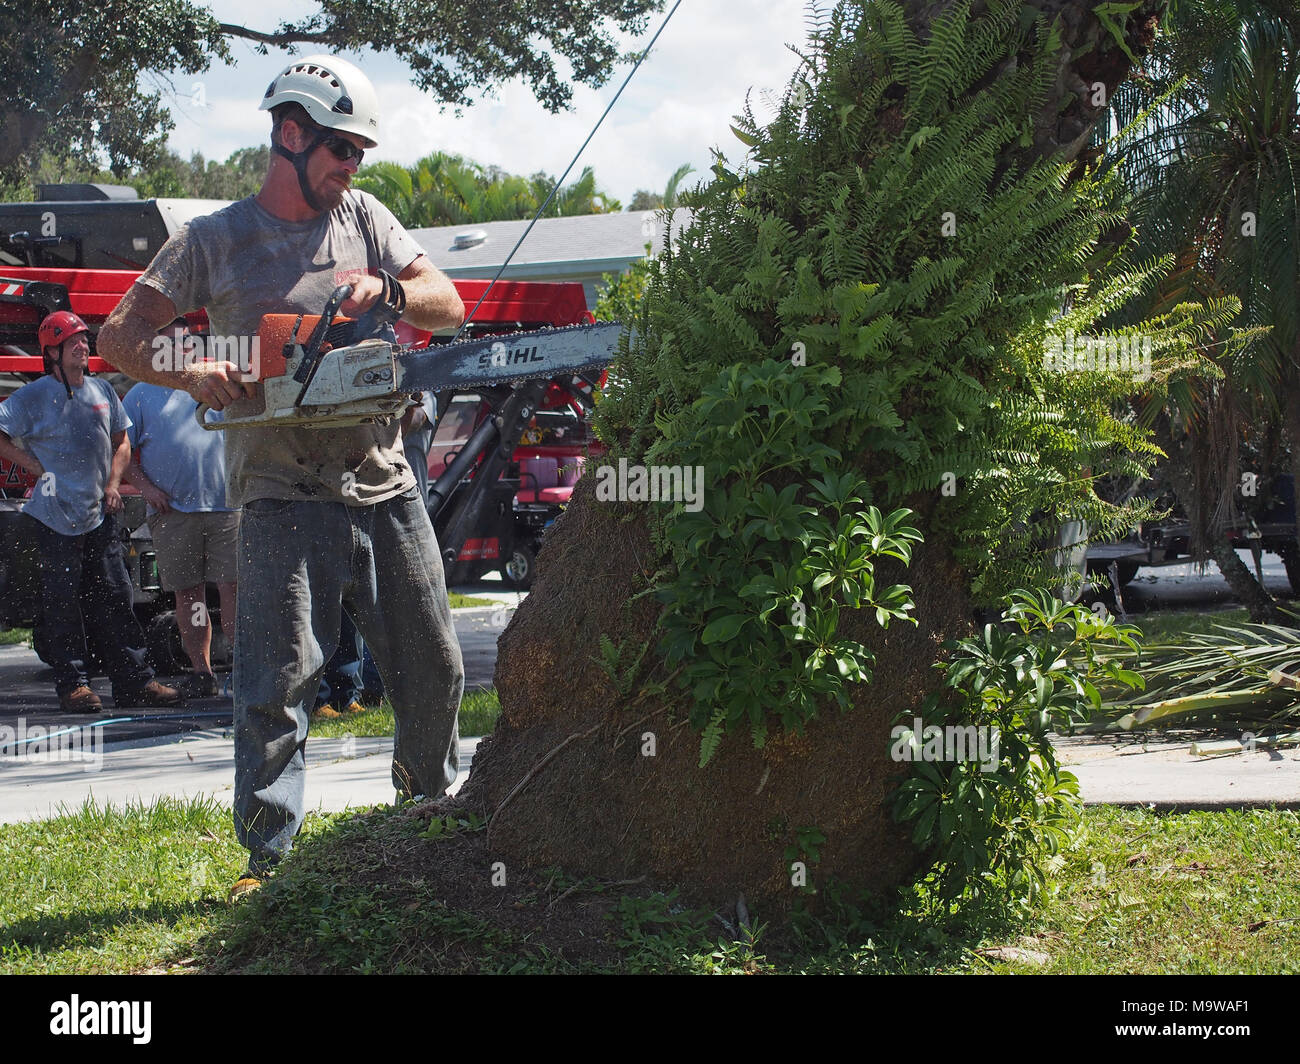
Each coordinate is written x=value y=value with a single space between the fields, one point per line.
x=1164 y=773
x=147 y=759
x=354 y=772
x=342 y=773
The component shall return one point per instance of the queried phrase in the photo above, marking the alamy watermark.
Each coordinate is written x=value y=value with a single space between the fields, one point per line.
x=173 y=353
x=38 y=744
x=77 y=1017
x=1105 y=354
x=656 y=483
x=953 y=742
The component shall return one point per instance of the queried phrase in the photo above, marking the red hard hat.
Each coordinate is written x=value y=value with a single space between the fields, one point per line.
x=58 y=326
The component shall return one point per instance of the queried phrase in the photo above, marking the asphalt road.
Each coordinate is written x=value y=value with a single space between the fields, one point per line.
x=27 y=687
x=1181 y=587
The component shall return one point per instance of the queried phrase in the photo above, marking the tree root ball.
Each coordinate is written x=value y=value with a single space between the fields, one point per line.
x=601 y=783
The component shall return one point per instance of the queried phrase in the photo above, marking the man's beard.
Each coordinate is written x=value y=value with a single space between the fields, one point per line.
x=329 y=194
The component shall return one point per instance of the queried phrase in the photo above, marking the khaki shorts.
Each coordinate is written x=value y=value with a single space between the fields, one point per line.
x=195 y=548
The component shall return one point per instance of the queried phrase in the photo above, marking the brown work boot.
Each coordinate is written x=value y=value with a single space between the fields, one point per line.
x=152 y=695
x=80 y=700
x=244 y=886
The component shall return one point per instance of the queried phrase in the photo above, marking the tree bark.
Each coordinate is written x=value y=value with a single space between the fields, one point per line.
x=1091 y=58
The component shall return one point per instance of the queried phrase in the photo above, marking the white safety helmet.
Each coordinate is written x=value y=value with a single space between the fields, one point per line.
x=332 y=91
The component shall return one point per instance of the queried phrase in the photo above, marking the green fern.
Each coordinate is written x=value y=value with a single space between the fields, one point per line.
x=923 y=353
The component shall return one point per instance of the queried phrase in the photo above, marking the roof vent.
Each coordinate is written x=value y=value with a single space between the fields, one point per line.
x=471 y=239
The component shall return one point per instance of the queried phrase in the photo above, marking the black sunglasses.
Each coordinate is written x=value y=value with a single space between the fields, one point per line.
x=340 y=147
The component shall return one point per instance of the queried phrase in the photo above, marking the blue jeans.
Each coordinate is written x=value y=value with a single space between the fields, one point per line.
x=340 y=686
x=86 y=605
x=300 y=563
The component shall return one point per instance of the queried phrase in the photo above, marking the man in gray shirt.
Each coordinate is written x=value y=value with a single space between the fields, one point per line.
x=73 y=433
x=331 y=517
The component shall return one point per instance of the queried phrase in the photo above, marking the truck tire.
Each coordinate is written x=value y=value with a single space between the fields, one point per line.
x=517 y=570
x=1126 y=571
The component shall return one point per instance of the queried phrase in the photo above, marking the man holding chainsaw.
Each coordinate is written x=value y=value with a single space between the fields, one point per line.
x=332 y=518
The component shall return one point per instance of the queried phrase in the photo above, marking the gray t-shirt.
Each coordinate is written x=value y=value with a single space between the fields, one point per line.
x=73 y=440
x=243 y=262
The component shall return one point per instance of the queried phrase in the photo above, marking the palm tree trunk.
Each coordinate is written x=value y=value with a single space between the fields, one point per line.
x=1245 y=588
x=1291 y=412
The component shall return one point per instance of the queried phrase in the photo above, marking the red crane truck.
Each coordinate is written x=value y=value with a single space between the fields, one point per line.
x=496 y=484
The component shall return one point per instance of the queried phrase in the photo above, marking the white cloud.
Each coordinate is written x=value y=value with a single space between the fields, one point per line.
x=676 y=108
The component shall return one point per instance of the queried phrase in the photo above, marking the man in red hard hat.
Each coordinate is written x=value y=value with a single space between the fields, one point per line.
x=72 y=430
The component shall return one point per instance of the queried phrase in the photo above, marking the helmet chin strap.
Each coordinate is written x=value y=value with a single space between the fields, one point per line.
x=299 y=161
x=63 y=373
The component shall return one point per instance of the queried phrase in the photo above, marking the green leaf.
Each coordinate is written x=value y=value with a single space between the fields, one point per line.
x=723 y=629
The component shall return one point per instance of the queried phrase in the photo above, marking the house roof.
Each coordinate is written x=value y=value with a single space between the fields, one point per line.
x=597 y=241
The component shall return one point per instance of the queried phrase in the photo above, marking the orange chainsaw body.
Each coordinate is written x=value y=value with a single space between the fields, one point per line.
x=274 y=336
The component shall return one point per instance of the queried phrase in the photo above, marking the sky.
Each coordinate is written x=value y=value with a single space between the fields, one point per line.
x=678 y=105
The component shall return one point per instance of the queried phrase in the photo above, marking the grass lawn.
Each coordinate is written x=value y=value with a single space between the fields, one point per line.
x=479 y=710
x=408 y=890
x=13 y=636
x=1168 y=626
x=460 y=601
x=393 y=890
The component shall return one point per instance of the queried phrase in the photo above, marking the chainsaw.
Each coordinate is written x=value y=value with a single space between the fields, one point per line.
x=354 y=372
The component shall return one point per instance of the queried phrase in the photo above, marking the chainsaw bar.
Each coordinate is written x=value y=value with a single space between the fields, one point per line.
x=371 y=381
x=498 y=361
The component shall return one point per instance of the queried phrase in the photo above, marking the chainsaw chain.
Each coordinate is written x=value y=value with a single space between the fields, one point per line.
x=504 y=382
